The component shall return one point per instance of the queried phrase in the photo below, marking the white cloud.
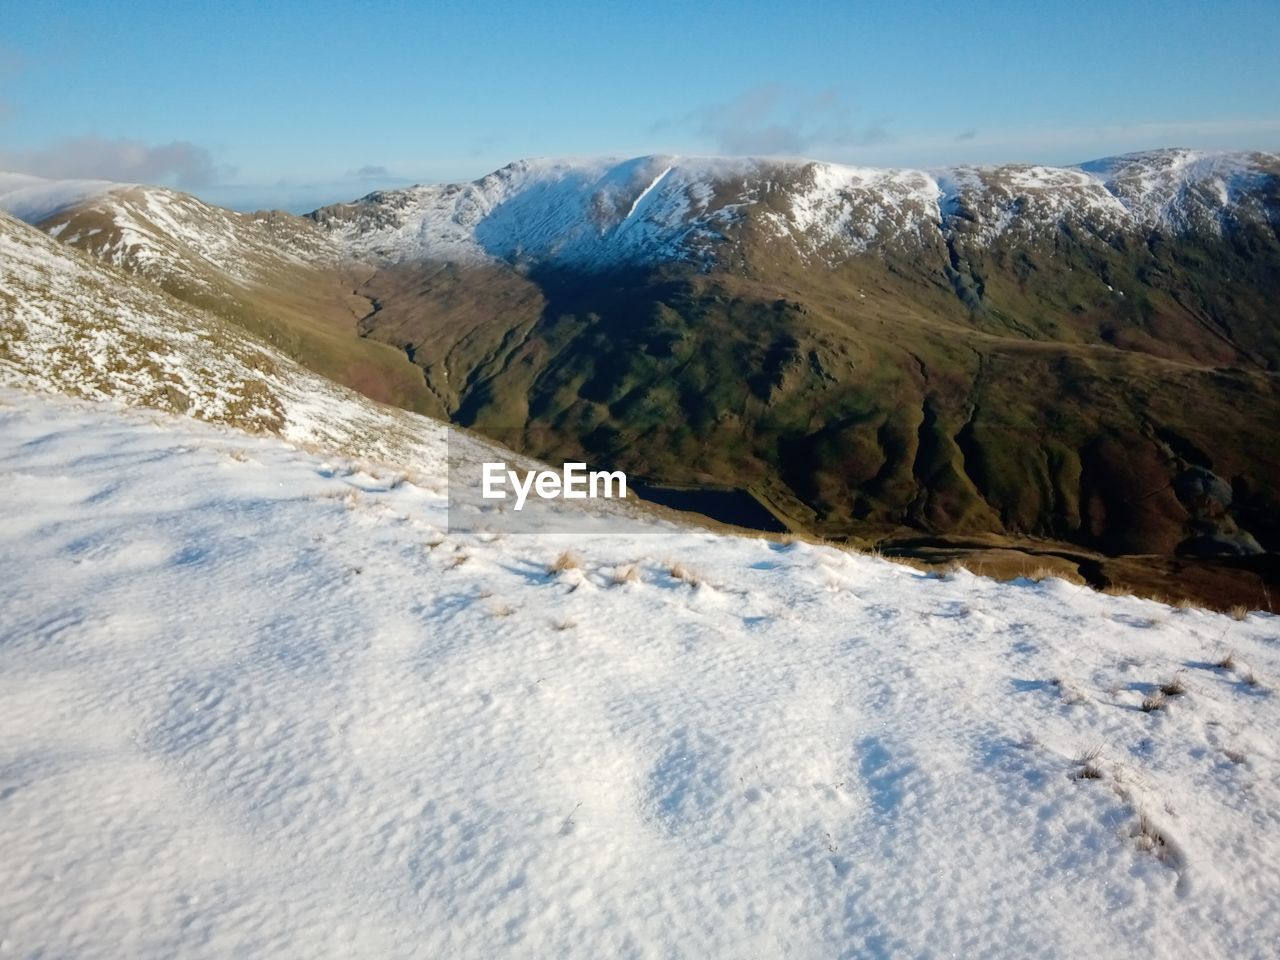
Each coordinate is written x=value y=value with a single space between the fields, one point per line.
x=180 y=162
x=773 y=120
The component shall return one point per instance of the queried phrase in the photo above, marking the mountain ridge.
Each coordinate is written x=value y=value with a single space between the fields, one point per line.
x=606 y=212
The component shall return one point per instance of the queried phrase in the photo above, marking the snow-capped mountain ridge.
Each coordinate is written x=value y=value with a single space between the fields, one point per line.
x=603 y=212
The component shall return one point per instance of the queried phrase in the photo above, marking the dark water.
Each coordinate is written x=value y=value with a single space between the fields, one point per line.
x=728 y=506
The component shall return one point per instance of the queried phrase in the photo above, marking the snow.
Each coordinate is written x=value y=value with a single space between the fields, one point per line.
x=1182 y=189
x=254 y=705
x=593 y=212
x=646 y=191
x=34 y=199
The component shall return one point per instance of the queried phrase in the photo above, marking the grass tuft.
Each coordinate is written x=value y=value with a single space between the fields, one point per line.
x=566 y=561
x=628 y=574
x=1174 y=688
x=680 y=572
x=1154 y=702
x=1152 y=839
x=1087 y=762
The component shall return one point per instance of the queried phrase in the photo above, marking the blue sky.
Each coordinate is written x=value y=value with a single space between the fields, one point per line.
x=293 y=104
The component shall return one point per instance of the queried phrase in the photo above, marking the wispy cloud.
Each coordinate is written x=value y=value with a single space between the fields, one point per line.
x=772 y=119
x=966 y=136
x=180 y=162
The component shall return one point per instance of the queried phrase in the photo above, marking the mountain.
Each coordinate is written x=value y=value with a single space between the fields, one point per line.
x=272 y=274
x=263 y=697
x=1076 y=362
x=605 y=214
x=72 y=325
x=889 y=356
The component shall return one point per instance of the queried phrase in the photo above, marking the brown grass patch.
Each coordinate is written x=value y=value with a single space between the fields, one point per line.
x=566 y=561
x=1154 y=702
x=1174 y=688
x=680 y=572
x=628 y=574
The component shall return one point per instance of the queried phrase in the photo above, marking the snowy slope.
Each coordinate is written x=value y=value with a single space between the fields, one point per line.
x=598 y=213
x=169 y=236
x=69 y=324
x=257 y=704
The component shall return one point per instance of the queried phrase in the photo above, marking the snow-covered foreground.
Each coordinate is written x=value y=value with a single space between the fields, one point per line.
x=258 y=703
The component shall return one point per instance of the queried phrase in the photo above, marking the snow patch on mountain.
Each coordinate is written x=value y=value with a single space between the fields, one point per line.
x=166 y=235
x=587 y=212
x=1187 y=189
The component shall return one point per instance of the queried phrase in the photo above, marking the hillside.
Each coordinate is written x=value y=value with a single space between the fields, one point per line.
x=271 y=274
x=934 y=362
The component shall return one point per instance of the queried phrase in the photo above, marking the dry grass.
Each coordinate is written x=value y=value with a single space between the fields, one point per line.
x=680 y=572
x=1250 y=679
x=628 y=574
x=1235 y=756
x=503 y=610
x=1087 y=761
x=1071 y=695
x=1174 y=688
x=1088 y=754
x=457 y=560
x=1152 y=839
x=1238 y=612
x=1228 y=662
x=1154 y=702
x=566 y=561
x=563 y=625
x=1050 y=573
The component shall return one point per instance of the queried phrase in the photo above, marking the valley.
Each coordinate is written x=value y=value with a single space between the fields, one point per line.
x=1053 y=362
